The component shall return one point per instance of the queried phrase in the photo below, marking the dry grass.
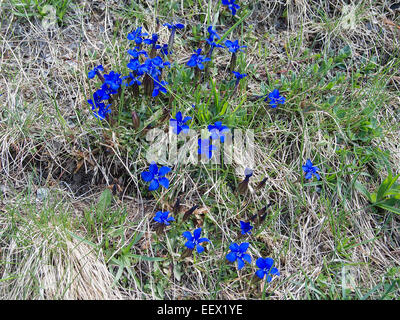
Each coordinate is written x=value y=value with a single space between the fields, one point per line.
x=47 y=138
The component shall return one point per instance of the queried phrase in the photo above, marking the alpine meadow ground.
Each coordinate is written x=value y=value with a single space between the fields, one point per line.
x=91 y=92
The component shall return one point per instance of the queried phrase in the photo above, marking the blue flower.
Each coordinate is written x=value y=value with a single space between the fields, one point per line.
x=205 y=147
x=156 y=177
x=310 y=170
x=212 y=34
x=275 y=98
x=231 y=5
x=239 y=76
x=137 y=35
x=164 y=49
x=95 y=71
x=195 y=240
x=100 y=110
x=135 y=53
x=113 y=79
x=159 y=86
x=162 y=218
x=153 y=40
x=265 y=266
x=233 y=46
x=238 y=253
x=197 y=60
x=179 y=124
x=245 y=227
x=174 y=26
x=248 y=172
x=218 y=131
x=133 y=80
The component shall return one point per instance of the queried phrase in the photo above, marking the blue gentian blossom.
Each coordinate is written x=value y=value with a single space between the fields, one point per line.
x=95 y=71
x=218 y=131
x=100 y=109
x=238 y=253
x=137 y=35
x=275 y=98
x=205 y=147
x=231 y=5
x=159 y=86
x=310 y=170
x=266 y=269
x=164 y=49
x=153 y=40
x=239 y=76
x=233 y=46
x=162 y=218
x=113 y=79
x=156 y=176
x=133 y=80
x=212 y=34
x=194 y=240
x=174 y=26
x=135 y=53
x=197 y=60
x=245 y=227
x=179 y=124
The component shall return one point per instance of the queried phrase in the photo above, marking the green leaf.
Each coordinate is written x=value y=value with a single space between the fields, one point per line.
x=104 y=202
x=363 y=190
x=146 y=258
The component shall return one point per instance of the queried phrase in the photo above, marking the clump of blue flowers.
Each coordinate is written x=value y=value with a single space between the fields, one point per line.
x=275 y=98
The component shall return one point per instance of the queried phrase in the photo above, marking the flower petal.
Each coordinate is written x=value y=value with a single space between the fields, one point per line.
x=247 y=258
x=154 y=185
x=147 y=176
x=231 y=256
x=163 y=171
x=153 y=168
x=196 y=233
x=240 y=263
x=189 y=244
x=244 y=246
x=199 y=248
x=164 y=182
x=261 y=263
x=260 y=273
x=187 y=235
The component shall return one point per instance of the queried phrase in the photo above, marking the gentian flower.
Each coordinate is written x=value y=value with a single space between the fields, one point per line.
x=153 y=40
x=113 y=79
x=156 y=177
x=100 y=110
x=179 y=124
x=239 y=77
x=275 y=98
x=135 y=53
x=134 y=80
x=212 y=34
x=162 y=218
x=238 y=253
x=233 y=46
x=205 y=147
x=265 y=266
x=245 y=227
x=218 y=130
x=231 y=5
x=164 y=49
x=310 y=170
x=137 y=35
x=95 y=71
x=174 y=26
x=197 y=60
x=195 y=240
x=159 y=86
